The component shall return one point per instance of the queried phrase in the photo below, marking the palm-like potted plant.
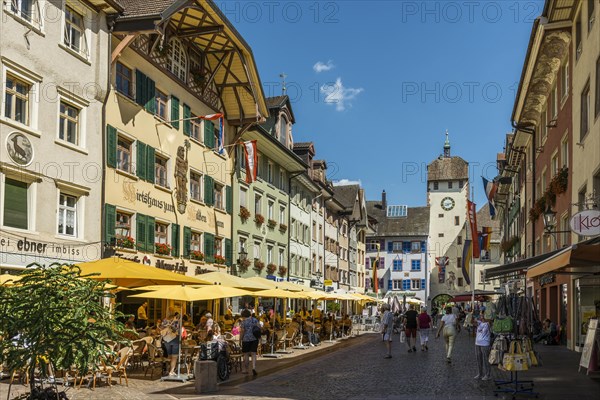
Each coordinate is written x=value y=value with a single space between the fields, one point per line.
x=271 y=268
x=282 y=271
x=259 y=219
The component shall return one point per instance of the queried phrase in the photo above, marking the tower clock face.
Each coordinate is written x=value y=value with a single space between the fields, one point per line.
x=448 y=203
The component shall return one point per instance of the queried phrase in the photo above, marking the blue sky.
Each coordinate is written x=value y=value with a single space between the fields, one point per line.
x=392 y=77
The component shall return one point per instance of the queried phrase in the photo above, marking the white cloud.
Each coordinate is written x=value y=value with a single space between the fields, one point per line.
x=339 y=95
x=320 y=66
x=346 y=182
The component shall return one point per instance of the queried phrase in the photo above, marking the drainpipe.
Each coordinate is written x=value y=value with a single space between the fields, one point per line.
x=529 y=128
x=110 y=24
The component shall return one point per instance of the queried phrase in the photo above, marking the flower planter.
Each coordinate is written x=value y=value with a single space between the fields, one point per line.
x=282 y=227
x=244 y=213
x=282 y=271
x=162 y=249
x=271 y=268
x=259 y=219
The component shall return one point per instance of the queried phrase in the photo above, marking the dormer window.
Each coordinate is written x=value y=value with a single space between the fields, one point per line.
x=177 y=59
x=283 y=129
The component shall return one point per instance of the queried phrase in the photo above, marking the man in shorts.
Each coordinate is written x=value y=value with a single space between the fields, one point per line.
x=410 y=324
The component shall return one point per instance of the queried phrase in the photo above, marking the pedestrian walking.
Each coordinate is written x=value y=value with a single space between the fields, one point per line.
x=424 y=327
x=448 y=326
x=434 y=316
x=387 y=324
x=249 y=340
x=456 y=312
x=410 y=323
x=482 y=349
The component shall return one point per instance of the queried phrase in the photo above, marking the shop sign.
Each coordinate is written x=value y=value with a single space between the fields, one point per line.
x=586 y=223
x=328 y=282
x=19 y=149
x=547 y=279
x=47 y=249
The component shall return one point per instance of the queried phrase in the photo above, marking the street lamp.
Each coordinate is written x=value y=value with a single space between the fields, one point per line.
x=242 y=256
x=549 y=219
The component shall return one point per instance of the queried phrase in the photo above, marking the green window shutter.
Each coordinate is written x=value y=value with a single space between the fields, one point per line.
x=175 y=240
x=150 y=102
x=175 y=112
x=228 y=252
x=187 y=124
x=209 y=134
x=15 y=204
x=140 y=223
x=228 y=200
x=150 y=161
x=150 y=228
x=111 y=146
x=209 y=195
x=209 y=247
x=110 y=221
x=140 y=168
x=187 y=240
x=140 y=88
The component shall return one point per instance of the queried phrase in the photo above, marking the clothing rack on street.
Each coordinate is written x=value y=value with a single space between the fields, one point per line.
x=518 y=314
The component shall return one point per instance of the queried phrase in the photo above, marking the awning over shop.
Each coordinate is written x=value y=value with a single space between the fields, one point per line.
x=580 y=258
x=517 y=267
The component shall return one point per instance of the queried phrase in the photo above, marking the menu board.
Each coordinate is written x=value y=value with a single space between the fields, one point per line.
x=588 y=346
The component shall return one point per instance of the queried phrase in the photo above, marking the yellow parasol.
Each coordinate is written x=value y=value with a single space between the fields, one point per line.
x=277 y=285
x=189 y=293
x=280 y=294
x=131 y=274
x=233 y=281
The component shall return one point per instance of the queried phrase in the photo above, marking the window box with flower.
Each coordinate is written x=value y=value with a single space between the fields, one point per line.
x=197 y=255
x=125 y=242
x=244 y=213
x=282 y=227
x=244 y=265
x=259 y=219
x=220 y=260
x=271 y=268
x=162 y=249
x=272 y=223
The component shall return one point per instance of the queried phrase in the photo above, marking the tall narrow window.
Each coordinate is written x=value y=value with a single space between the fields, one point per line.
x=124 y=80
x=123 y=227
x=75 y=31
x=161 y=104
x=585 y=111
x=27 y=9
x=578 y=47
x=219 y=203
x=196 y=128
x=564 y=80
x=67 y=215
x=160 y=232
x=177 y=59
x=564 y=151
x=590 y=13
x=160 y=172
x=16 y=100
x=243 y=197
x=196 y=241
x=195 y=186
x=257 y=204
x=124 y=154
x=68 y=123
x=270 y=209
x=554 y=102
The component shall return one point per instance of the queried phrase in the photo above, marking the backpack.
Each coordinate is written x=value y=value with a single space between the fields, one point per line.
x=256 y=331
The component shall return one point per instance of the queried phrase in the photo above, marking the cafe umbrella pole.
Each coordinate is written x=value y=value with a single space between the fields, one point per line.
x=272 y=354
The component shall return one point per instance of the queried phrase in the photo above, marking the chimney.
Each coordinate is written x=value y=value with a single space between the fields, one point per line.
x=383 y=200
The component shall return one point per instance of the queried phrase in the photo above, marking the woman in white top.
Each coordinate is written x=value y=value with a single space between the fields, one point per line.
x=482 y=348
x=448 y=326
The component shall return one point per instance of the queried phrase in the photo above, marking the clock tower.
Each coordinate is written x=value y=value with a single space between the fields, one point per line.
x=447 y=194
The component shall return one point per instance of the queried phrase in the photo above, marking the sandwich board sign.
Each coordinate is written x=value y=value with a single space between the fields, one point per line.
x=589 y=355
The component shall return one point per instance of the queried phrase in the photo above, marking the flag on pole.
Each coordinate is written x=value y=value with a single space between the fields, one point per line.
x=221 y=137
x=251 y=156
x=466 y=261
x=490 y=189
x=486 y=238
x=375 y=278
x=472 y=214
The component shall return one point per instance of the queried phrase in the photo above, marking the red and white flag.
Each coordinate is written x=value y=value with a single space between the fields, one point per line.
x=472 y=214
x=251 y=160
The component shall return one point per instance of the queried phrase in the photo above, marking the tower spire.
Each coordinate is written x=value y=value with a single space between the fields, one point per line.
x=447 y=146
x=283 y=87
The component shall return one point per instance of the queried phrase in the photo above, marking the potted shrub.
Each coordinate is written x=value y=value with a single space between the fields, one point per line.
x=282 y=227
x=220 y=260
x=244 y=213
x=259 y=219
x=126 y=242
x=162 y=248
x=272 y=223
x=259 y=265
x=271 y=268
x=282 y=271
x=197 y=255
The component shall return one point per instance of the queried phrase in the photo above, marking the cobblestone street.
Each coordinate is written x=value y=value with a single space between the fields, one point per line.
x=356 y=369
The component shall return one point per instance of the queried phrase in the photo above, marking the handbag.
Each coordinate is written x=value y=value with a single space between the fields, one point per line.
x=503 y=325
x=515 y=360
x=402 y=337
x=494 y=357
x=529 y=353
x=167 y=333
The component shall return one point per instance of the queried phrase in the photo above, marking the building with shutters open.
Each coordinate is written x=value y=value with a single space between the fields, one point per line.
x=168 y=195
